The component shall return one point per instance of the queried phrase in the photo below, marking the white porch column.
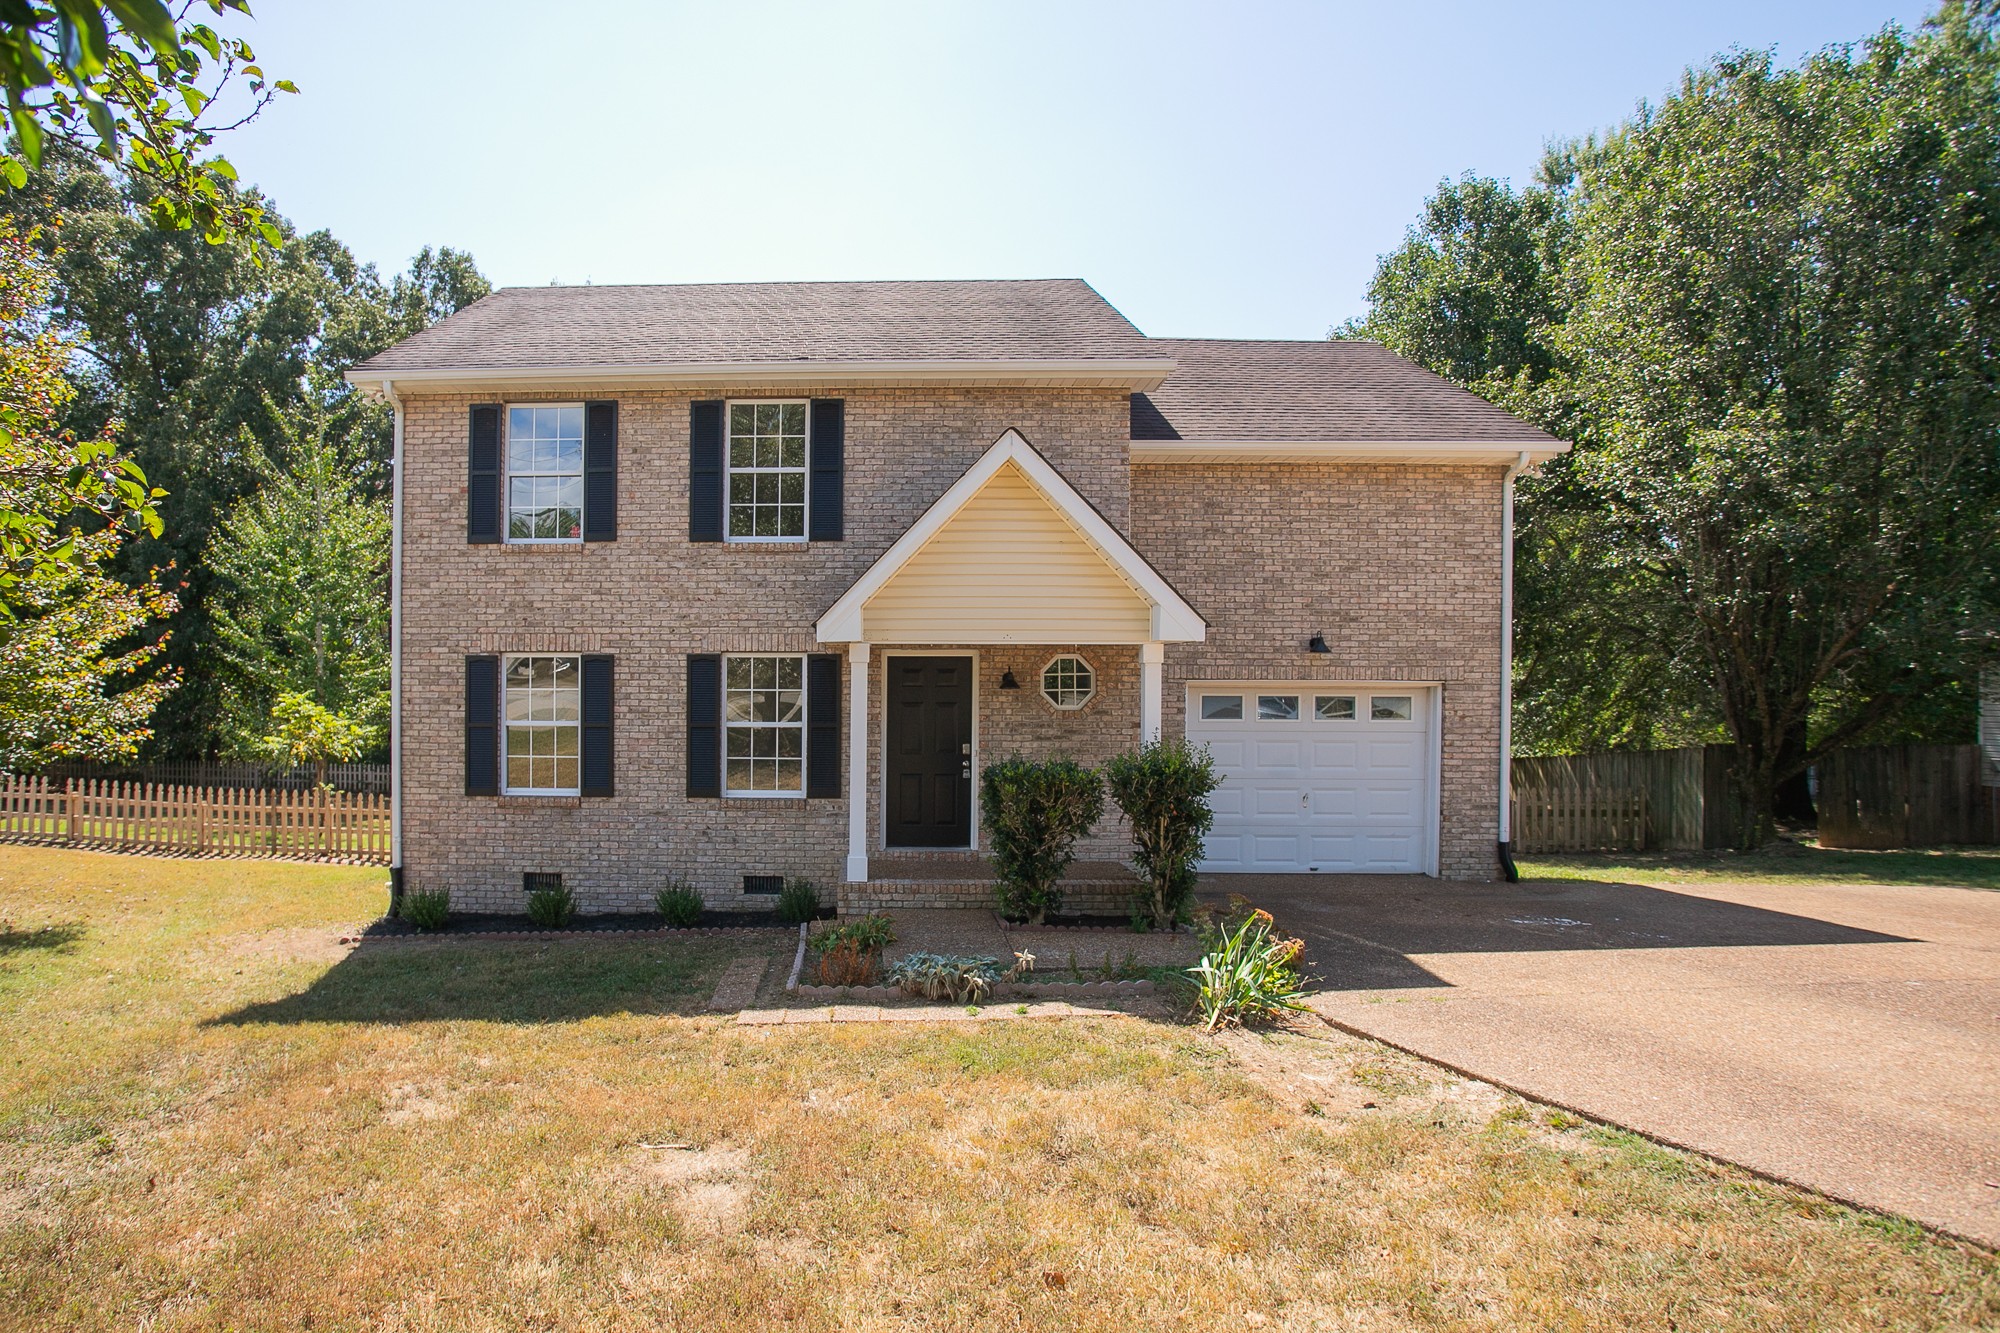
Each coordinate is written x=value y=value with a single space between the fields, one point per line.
x=857 y=763
x=1152 y=656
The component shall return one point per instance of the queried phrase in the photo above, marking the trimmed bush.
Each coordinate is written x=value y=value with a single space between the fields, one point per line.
x=680 y=903
x=1163 y=789
x=1034 y=813
x=427 y=909
x=798 y=901
x=551 y=909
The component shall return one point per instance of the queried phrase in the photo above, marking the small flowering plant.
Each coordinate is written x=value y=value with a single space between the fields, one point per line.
x=1247 y=973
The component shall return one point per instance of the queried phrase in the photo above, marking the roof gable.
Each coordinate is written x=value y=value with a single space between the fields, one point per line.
x=1013 y=522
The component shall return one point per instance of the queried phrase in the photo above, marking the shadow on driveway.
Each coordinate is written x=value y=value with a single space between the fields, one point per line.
x=1367 y=929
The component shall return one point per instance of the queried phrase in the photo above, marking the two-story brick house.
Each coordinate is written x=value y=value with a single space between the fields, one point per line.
x=739 y=581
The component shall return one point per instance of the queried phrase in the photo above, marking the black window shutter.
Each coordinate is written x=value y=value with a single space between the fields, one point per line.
x=482 y=475
x=823 y=724
x=705 y=447
x=597 y=697
x=600 y=472
x=704 y=722
x=827 y=468
x=482 y=726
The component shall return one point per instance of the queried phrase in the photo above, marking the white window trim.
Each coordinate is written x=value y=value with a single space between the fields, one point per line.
x=805 y=704
x=507 y=485
x=507 y=661
x=1042 y=686
x=805 y=476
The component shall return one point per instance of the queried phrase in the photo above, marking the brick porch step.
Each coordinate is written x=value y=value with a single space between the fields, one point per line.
x=966 y=879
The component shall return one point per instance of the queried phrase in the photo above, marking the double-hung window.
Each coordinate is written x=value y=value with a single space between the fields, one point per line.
x=764 y=716
x=544 y=712
x=545 y=472
x=767 y=472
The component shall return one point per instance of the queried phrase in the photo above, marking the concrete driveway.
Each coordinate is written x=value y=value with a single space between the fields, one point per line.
x=1846 y=1037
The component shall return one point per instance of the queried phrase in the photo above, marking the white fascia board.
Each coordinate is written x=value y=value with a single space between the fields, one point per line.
x=1173 y=620
x=1496 y=452
x=1138 y=376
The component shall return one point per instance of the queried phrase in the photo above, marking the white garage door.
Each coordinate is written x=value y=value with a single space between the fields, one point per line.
x=1318 y=777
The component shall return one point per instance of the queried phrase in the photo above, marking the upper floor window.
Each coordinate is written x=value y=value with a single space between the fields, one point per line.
x=767 y=471
x=544 y=716
x=545 y=473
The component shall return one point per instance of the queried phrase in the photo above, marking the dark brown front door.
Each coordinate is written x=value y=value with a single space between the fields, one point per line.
x=930 y=751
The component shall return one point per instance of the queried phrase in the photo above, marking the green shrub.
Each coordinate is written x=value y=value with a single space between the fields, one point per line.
x=1246 y=973
x=798 y=901
x=940 y=976
x=1034 y=814
x=427 y=909
x=871 y=933
x=680 y=903
x=552 y=908
x=1163 y=789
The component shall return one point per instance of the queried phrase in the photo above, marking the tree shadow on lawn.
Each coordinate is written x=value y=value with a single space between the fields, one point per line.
x=539 y=981
x=50 y=939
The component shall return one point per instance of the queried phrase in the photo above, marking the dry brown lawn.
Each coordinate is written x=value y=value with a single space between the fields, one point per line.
x=215 y=1115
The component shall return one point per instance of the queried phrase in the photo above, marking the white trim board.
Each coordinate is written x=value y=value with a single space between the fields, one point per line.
x=1173 y=620
x=1494 y=453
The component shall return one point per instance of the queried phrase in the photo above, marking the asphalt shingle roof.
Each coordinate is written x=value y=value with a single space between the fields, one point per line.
x=1230 y=389
x=689 y=324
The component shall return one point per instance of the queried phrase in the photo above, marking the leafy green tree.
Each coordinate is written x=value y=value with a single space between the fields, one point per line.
x=302 y=732
x=137 y=86
x=64 y=650
x=196 y=350
x=1770 y=331
x=300 y=604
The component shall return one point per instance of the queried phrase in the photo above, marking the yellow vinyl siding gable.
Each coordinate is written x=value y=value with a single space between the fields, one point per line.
x=1007 y=568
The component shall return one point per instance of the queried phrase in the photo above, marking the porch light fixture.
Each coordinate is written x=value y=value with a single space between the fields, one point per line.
x=1007 y=681
x=1317 y=644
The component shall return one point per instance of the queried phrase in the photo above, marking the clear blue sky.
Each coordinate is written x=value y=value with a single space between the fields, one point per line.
x=1220 y=169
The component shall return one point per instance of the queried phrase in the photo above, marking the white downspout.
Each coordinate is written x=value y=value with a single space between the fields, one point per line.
x=395 y=651
x=1514 y=470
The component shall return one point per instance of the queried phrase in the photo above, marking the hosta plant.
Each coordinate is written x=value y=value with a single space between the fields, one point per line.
x=1247 y=973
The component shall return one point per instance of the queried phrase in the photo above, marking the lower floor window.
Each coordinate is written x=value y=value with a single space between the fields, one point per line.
x=764 y=716
x=544 y=711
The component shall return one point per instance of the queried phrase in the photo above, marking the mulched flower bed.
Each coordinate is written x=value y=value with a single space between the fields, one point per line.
x=514 y=925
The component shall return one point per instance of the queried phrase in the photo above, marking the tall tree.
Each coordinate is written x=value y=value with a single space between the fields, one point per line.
x=300 y=604
x=1775 y=309
x=66 y=683
x=197 y=349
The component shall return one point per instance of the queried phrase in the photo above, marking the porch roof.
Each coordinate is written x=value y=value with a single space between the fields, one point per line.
x=1011 y=553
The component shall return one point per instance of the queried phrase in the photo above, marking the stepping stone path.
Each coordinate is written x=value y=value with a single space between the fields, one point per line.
x=738 y=987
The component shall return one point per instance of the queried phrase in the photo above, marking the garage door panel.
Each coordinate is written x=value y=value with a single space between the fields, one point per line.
x=1275 y=801
x=1317 y=794
x=1277 y=756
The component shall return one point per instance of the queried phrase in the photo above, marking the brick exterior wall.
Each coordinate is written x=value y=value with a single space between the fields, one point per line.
x=1397 y=566
x=652 y=597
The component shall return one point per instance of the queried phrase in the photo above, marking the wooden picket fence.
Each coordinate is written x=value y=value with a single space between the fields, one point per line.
x=1580 y=819
x=196 y=821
